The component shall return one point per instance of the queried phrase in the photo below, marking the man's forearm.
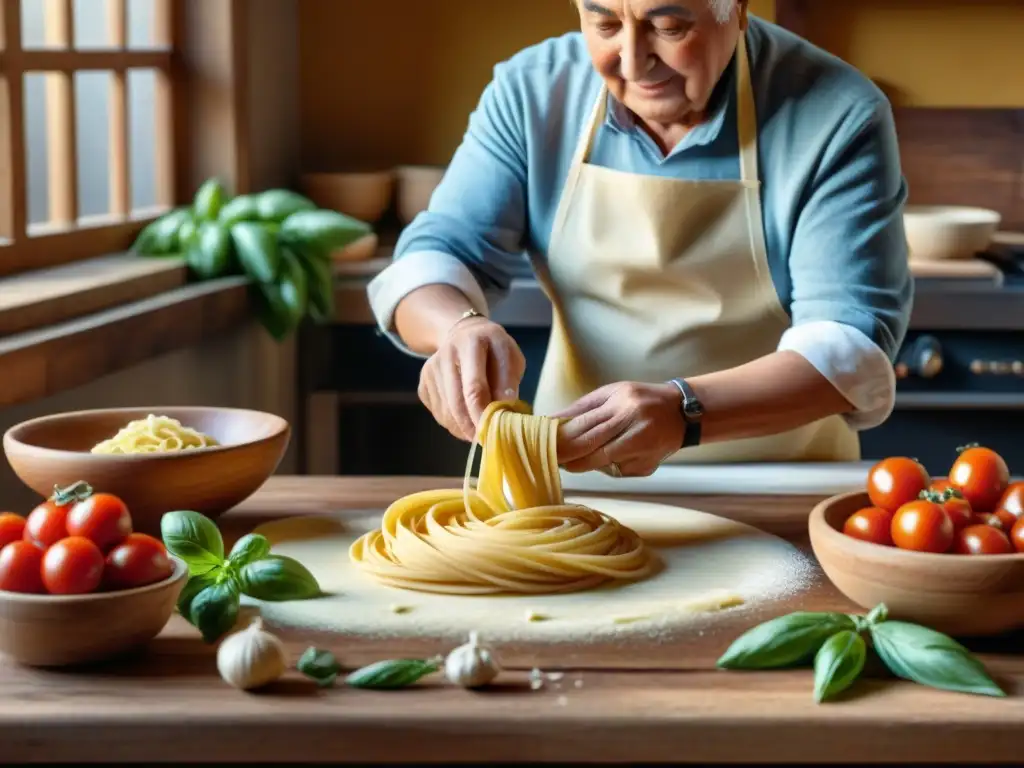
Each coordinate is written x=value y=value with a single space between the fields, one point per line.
x=773 y=394
x=424 y=316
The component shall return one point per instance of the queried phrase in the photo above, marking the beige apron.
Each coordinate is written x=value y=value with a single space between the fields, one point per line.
x=652 y=278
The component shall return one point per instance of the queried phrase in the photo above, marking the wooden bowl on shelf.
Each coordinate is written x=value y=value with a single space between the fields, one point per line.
x=965 y=595
x=62 y=630
x=365 y=196
x=55 y=451
x=941 y=232
x=416 y=185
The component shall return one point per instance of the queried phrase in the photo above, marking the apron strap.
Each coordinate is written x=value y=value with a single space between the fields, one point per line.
x=746 y=114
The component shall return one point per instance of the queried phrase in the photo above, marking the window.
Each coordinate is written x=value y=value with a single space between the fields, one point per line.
x=86 y=145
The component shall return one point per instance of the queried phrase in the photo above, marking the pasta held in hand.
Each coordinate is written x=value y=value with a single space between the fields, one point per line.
x=481 y=541
x=154 y=434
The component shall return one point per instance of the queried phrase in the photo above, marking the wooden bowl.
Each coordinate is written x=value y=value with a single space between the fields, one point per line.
x=963 y=595
x=60 y=630
x=363 y=249
x=54 y=451
x=364 y=196
x=936 y=232
x=416 y=184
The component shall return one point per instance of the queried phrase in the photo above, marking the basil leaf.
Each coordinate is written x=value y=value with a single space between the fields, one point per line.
x=784 y=641
x=931 y=658
x=193 y=587
x=277 y=578
x=250 y=547
x=194 y=538
x=391 y=673
x=214 y=610
x=838 y=663
x=319 y=665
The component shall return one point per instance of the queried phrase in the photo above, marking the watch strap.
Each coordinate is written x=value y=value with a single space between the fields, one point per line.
x=692 y=411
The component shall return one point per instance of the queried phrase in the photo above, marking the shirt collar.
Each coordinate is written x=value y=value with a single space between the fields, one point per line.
x=622 y=119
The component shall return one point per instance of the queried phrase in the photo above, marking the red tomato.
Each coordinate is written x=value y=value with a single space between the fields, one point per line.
x=953 y=504
x=981 y=539
x=940 y=485
x=12 y=528
x=1000 y=519
x=981 y=475
x=102 y=518
x=894 y=481
x=1013 y=500
x=1017 y=535
x=47 y=523
x=871 y=524
x=20 y=568
x=135 y=562
x=922 y=526
x=72 y=566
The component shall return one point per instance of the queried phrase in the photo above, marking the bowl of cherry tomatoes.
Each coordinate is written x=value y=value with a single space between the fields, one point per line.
x=946 y=552
x=77 y=584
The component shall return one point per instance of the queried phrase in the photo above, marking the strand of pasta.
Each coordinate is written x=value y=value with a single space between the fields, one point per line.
x=512 y=533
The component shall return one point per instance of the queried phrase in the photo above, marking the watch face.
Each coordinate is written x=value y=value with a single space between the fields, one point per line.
x=693 y=409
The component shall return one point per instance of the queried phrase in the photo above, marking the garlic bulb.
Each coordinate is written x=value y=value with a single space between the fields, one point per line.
x=251 y=658
x=471 y=665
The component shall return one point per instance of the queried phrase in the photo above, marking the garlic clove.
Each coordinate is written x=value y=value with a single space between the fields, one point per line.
x=472 y=665
x=251 y=658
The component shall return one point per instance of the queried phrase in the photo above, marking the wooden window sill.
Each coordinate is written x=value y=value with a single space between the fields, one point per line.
x=65 y=326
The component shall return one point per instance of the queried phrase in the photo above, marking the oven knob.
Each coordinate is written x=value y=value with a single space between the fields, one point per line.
x=927 y=357
x=978 y=367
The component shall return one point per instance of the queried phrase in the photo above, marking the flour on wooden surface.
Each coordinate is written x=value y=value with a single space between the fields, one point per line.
x=710 y=566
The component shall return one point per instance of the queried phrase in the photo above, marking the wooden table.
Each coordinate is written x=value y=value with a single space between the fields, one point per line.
x=168 y=703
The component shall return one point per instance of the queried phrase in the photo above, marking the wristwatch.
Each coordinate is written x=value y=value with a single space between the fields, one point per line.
x=692 y=410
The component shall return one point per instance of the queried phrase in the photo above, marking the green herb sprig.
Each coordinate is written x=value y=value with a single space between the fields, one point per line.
x=386 y=675
x=835 y=644
x=211 y=597
x=279 y=239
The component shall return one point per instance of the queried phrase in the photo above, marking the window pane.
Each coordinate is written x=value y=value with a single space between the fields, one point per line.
x=141 y=24
x=32 y=17
x=142 y=130
x=91 y=27
x=92 y=116
x=36 y=165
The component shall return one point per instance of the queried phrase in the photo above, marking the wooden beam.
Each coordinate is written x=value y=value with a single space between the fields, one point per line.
x=61 y=149
x=118 y=140
x=13 y=188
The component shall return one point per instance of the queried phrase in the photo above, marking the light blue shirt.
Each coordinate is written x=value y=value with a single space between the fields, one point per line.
x=832 y=189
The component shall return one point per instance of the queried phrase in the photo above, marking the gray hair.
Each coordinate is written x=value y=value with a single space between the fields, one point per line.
x=721 y=9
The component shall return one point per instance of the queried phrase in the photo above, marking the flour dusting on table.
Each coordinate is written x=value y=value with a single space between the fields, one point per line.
x=710 y=567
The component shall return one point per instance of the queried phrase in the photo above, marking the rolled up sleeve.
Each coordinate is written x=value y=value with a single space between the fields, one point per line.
x=471 y=235
x=852 y=290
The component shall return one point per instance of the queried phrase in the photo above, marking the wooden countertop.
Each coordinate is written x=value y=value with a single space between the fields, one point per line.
x=168 y=703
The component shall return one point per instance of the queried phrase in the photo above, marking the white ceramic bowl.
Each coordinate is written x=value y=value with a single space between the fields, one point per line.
x=936 y=232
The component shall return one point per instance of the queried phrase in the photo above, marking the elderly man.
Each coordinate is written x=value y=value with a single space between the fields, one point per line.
x=713 y=206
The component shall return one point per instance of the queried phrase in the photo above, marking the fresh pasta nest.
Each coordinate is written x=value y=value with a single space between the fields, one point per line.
x=154 y=434
x=481 y=541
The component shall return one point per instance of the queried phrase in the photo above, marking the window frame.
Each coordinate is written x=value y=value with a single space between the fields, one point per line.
x=66 y=237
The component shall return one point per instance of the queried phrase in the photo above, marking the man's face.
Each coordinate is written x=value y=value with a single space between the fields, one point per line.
x=661 y=58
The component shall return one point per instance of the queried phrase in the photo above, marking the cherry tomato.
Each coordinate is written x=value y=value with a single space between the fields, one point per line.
x=72 y=566
x=981 y=539
x=102 y=518
x=922 y=526
x=981 y=475
x=953 y=504
x=894 y=481
x=20 y=568
x=47 y=523
x=1012 y=500
x=1017 y=535
x=871 y=524
x=12 y=528
x=1000 y=519
x=135 y=562
x=941 y=485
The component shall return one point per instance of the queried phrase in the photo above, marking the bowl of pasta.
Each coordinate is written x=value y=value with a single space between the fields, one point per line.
x=157 y=459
